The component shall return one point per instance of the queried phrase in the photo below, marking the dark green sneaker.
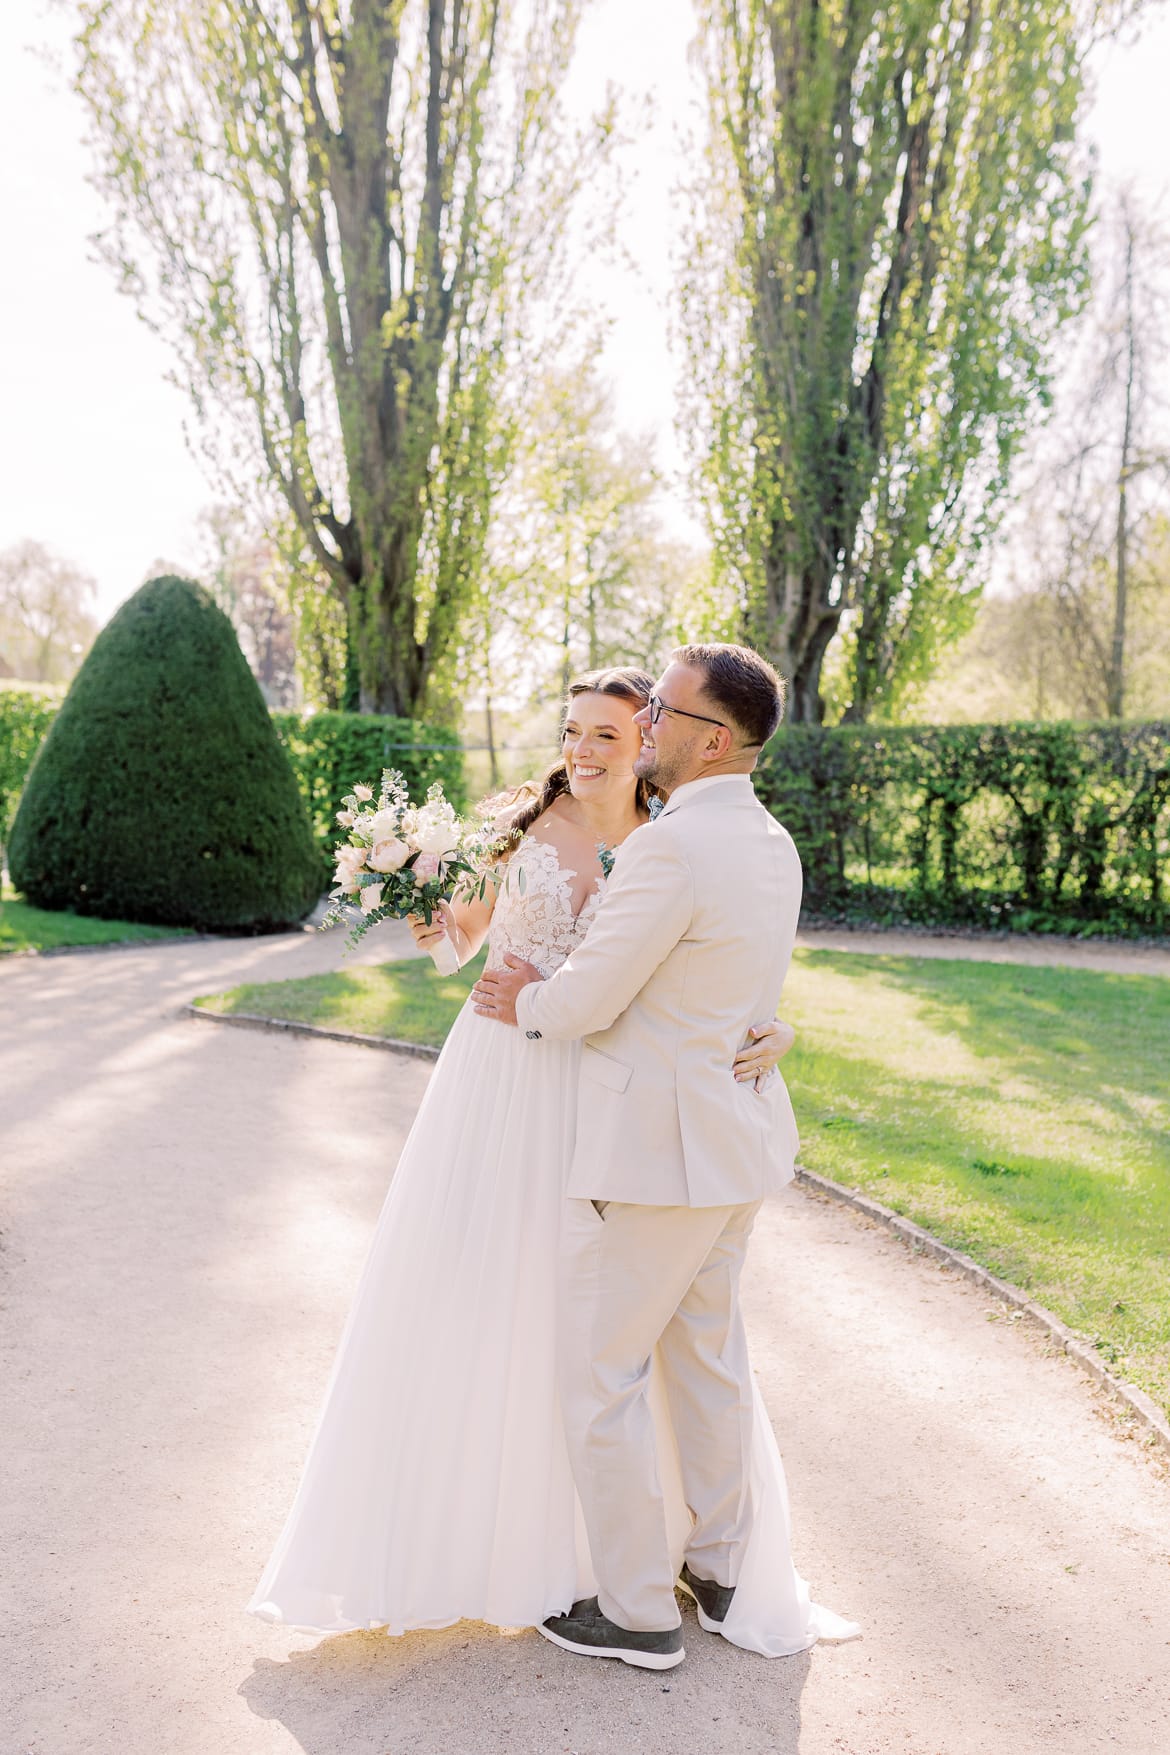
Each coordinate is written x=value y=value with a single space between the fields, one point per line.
x=711 y=1600
x=587 y=1631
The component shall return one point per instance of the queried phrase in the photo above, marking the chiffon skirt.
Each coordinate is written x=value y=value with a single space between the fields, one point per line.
x=437 y=1487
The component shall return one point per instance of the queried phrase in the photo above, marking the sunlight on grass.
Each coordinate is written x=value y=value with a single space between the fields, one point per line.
x=1021 y=1114
x=405 y=1000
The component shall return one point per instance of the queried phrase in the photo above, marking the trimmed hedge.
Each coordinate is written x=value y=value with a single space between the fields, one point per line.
x=328 y=752
x=1031 y=827
x=331 y=752
x=1025 y=827
x=161 y=793
x=25 y=716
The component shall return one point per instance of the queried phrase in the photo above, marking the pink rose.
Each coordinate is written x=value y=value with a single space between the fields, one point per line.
x=388 y=855
x=426 y=867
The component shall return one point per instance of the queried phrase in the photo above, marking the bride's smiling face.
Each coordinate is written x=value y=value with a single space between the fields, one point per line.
x=599 y=744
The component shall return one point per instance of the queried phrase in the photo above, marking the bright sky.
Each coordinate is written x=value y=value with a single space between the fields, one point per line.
x=92 y=454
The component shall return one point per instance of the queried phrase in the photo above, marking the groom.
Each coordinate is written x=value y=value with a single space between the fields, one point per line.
x=673 y=1156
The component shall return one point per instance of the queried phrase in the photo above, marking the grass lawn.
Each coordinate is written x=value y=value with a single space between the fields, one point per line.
x=406 y=1000
x=1020 y=1114
x=25 y=928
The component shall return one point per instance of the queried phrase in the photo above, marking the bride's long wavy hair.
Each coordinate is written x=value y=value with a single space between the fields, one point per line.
x=518 y=807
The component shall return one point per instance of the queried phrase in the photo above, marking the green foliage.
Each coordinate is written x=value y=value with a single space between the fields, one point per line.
x=889 y=232
x=1027 y=827
x=332 y=752
x=161 y=793
x=25 y=716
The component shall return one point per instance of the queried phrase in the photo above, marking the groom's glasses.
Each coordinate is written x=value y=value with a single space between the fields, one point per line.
x=658 y=707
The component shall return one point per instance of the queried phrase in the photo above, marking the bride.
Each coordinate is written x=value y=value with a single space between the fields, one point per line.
x=437 y=1487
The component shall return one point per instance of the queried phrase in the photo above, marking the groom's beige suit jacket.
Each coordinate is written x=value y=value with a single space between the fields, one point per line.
x=689 y=948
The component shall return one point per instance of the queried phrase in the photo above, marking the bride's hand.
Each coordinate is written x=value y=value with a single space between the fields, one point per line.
x=759 y=1057
x=427 y=937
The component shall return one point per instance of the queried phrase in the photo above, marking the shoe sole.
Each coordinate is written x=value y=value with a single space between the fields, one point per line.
x=705 y=1620
x=641 y=1660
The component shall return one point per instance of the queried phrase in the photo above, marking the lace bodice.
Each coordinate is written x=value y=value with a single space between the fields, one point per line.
x=533 y=917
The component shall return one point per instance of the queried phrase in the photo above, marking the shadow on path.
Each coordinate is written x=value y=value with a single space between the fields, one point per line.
x=477 y=1691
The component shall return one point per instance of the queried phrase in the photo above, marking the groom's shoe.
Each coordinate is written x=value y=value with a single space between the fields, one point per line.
x=711 y=1600
x=586 y=1630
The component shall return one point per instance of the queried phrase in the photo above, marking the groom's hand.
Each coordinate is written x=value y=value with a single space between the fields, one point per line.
x=495 y=991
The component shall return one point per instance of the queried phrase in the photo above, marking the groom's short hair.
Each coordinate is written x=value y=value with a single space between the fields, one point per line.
x=741 y=684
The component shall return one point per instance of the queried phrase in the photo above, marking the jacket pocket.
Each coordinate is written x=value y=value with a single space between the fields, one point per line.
x=603 y=1069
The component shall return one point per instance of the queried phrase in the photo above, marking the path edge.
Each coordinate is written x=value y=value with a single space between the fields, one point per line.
x=290 y=1027
x=1141 y=1406
x=144 y=944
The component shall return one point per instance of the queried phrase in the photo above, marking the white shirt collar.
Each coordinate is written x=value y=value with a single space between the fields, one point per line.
x=690 y=787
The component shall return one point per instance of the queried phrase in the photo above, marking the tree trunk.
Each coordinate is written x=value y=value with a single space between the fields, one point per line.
x=795 y=633
x=567 y=636
x=805 y=706
x=869 y=663
x=390 y=659
x=490 y=733
x=1116 y=680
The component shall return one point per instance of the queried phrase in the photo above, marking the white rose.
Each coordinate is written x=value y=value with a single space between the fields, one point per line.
x=389 y=854
x=437 y=830
x=382 y=826
x=371 y=897
x=440 y=838
x=350 y=861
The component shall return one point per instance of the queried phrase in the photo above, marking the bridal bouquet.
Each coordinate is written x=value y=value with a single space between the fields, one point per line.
x=400 y=858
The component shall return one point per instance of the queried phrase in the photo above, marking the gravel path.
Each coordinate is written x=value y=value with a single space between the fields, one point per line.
x=184 y=1211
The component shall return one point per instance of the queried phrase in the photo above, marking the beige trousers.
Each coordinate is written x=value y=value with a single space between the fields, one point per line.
x=634 y=1278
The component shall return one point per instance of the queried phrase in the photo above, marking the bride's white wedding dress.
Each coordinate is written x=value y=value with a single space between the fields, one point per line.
x=438 y=1488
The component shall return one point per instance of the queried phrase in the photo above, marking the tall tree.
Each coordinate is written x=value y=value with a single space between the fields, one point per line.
x=577 y=571
x=47 y=621
x=1090 y=538
x=1136 y=340
x=1039 y=653
x=340 y=213
x=245 y=573
x=891 y=229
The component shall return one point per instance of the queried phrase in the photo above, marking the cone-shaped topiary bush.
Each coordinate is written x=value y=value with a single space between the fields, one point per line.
x=161 y=792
